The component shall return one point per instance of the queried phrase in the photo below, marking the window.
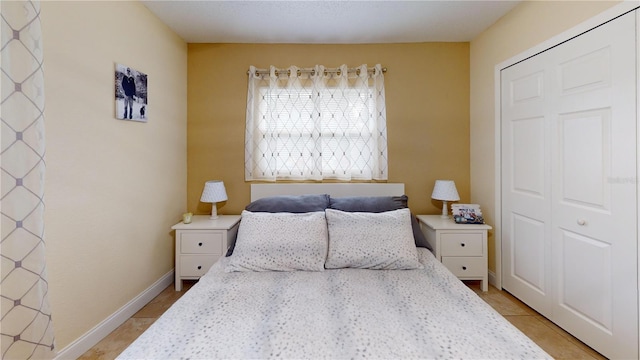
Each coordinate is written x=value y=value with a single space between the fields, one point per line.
x=316 y=125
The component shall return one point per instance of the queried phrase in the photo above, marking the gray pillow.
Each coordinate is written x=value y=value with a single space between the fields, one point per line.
x=377 y=204
x=287 y=204
x=290 y=204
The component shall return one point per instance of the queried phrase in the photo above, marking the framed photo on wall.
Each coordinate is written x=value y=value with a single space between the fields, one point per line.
x=131 y=94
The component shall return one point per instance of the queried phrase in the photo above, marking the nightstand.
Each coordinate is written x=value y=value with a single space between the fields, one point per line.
x=201 y=243
x=462 y=248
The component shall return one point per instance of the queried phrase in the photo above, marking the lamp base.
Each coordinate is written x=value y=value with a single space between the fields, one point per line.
x=445 y=211
x=214 y=212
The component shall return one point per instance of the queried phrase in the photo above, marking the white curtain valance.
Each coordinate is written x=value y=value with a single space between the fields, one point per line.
x=312 y=124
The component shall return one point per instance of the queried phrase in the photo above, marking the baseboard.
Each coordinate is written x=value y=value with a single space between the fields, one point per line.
x=104 y=328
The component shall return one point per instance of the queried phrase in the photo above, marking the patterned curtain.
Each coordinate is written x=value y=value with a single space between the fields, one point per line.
x=26 y=330
x=315 y=124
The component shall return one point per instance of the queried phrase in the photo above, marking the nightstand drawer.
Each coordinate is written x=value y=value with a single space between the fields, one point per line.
x=202 y=242
x=463 y=267
x=461 y=244
x=196 y=265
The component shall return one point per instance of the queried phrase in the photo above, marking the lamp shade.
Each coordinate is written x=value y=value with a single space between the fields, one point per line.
x=213 y=192
x=445 y=190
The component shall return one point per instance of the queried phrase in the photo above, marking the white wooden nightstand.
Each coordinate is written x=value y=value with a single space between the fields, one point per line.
x=462 y=248
x=201 y=243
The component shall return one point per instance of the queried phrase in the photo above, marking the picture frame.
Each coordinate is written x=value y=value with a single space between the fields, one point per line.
x=131 y=102
x=467 y=214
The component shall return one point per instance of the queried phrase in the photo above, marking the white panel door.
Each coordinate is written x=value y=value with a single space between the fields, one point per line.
x=594 y=223
x=526 y=185
x=569 y=211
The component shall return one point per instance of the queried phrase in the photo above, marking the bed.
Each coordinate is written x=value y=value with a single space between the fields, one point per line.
x=349 y=281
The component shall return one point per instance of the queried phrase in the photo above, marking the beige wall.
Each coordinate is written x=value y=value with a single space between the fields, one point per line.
x=427 y=89
x=529 y=24
x=113 y=188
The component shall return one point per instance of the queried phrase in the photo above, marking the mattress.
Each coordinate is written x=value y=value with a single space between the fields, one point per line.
x=333 y=314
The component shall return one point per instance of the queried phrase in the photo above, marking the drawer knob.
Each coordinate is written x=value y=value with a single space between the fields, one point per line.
x=199 y=267
x=199 y=244
x=464 y=268
x=581 y=222
x=462 y=244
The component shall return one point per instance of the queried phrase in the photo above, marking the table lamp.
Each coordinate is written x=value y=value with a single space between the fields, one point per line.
x=214 y=192
x=445 y=190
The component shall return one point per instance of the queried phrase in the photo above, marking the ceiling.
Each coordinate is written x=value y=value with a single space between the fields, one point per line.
x=328 y=22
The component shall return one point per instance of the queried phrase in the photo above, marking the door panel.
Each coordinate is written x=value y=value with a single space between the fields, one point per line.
x=528 y=258
x=526 y=187
x=586 y=72
x=527 y=88
x=584 y=153
x=569 y=219
x=594 y=238
x=586 y=258
x=528 y=156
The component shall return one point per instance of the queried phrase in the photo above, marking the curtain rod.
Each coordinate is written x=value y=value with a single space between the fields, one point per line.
x=313 y=71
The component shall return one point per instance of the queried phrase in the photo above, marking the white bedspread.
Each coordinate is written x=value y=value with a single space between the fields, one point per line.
x=336 y=314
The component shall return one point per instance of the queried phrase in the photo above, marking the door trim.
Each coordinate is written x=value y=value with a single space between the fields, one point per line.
x=607 y=15
x=638 y=142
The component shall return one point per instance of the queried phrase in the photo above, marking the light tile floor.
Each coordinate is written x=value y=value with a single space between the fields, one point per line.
x=555 y=341
x=115 y=343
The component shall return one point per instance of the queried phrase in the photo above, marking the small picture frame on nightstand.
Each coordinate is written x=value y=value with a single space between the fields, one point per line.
x=467 y=214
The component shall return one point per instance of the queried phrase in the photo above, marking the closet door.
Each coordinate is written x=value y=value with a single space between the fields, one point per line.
x=569 y=196
x=594 y=212
x=526 y=182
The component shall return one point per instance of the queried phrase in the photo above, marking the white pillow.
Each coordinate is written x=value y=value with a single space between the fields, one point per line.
x=371 y=240
x=280 y=242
